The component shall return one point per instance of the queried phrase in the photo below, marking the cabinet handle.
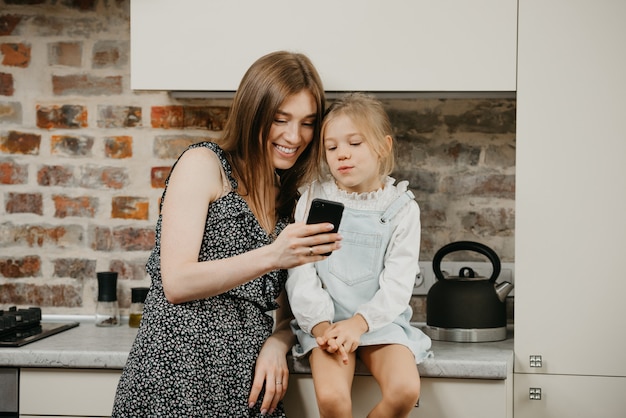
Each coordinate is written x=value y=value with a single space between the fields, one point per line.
x=536 y=361
x=534 y=394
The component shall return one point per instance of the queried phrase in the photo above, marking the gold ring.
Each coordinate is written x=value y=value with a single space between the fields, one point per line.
x=279 y=383
x=310 y=251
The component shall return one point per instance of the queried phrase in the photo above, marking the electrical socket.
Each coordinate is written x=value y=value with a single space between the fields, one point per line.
x=426 y=277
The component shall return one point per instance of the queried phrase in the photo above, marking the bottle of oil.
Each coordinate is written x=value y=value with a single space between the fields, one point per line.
x=138 y=298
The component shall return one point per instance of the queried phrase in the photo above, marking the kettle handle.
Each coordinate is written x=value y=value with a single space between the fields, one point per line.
x=466 y=246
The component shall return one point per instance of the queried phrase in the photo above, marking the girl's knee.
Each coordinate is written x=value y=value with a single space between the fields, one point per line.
x=406 y=393
x=333 y=402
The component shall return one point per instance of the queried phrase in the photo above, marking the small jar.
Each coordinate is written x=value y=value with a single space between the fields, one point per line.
x=138 y=298
x=107 y=308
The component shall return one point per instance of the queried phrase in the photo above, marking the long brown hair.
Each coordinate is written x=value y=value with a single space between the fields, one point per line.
x=264 y=87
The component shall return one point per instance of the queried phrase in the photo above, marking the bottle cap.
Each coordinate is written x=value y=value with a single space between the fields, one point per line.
x=138 y=294
x=107 y=286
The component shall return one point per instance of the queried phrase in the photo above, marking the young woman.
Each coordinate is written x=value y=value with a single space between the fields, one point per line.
x=207 y=345
x=355 y=303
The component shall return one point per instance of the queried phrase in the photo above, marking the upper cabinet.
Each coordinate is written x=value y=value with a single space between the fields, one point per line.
x=364 y=45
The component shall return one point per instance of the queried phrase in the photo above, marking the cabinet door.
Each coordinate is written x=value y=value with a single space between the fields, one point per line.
x=440 y=398
x=569 y=396
x=570 y=232
x=68 y=392
x=368 y=45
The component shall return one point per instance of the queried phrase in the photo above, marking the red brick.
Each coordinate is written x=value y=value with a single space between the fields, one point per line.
x=171 y=146
x=118 y=147
x=101 y=238
x=8 y=23
x=15 y=55
x=82 y=206
x=167 y=117
x=86 y=85
x=63 y=236
x=12 y=173
x=20 y=143
x=74 y=146
x=68 y=54
x=24 y=203
x=110 y=54
x=83 y=5
x=158 y=176
x=56 y=175
x=75 y=268
x=94 y=177
x=61 y=117
x=121 y=239
x=16 y=268
x=205 y=117
x=128 y=207
x=6 y=84
x=11 y=112
x=133 y=239
x=43 y=295
x=119 y=116
x=129 y=270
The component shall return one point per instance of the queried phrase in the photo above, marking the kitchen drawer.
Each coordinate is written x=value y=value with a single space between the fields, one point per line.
x=440 y=397
x=63 y=392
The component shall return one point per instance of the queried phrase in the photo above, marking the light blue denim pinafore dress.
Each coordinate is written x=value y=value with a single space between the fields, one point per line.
x=351 y=277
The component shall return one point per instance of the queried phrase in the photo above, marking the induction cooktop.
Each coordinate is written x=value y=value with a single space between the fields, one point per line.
x=19 y=327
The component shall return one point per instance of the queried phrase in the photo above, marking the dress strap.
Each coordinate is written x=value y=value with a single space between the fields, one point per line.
x=396 y=205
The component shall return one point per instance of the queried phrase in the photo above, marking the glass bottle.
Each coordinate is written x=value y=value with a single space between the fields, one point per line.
x=138 y=298
x=107 y=308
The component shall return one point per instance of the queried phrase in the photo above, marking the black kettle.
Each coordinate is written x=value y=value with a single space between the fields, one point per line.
x=468 y=301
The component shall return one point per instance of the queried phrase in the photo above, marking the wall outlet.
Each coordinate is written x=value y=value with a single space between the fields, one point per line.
x=426 y=277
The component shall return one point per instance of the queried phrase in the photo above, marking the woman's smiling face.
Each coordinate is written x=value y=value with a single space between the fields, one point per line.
x=292 y=129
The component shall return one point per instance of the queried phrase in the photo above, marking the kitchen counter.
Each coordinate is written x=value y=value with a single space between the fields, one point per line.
x=91 y=347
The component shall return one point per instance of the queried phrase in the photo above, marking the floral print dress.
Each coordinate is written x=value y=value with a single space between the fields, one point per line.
x=197 y=359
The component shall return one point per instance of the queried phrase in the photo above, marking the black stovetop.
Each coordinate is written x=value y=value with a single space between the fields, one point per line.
x=19 y=327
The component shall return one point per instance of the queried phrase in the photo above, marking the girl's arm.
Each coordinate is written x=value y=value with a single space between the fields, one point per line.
x=399 y=271
x=311 y=304
x=195 y=182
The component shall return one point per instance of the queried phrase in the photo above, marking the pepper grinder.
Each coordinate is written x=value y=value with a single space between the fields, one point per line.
x=107 y=308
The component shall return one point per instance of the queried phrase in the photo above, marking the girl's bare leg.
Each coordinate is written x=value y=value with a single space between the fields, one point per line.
x=332 y=380
x=393 y=366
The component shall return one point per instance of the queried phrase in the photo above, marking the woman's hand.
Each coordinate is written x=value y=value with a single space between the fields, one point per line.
x=272 y=372
x=301 y=243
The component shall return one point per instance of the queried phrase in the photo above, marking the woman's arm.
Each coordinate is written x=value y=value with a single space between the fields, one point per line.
x=195 y=182
x=271 y=368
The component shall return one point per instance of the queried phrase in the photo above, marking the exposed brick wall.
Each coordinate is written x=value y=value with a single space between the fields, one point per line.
x=83 y=158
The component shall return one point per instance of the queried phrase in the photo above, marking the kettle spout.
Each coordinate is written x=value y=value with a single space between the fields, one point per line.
x=503 y=289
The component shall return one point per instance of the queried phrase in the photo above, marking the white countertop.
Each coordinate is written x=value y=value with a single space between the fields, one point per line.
x=88 y=346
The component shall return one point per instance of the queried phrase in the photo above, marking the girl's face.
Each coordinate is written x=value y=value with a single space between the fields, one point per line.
x=292 y=129
x=352 y=162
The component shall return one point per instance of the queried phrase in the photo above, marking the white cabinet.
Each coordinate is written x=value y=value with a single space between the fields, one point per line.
x=570 y=209
x=440 y=398
x=67 y=392
x=371 y=45
x=570 y=396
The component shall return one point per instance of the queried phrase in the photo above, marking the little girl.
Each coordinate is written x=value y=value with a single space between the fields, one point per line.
x=355 y=303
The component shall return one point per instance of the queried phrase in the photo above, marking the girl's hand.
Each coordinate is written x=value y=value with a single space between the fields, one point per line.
x=300 y=243
x=343 y=337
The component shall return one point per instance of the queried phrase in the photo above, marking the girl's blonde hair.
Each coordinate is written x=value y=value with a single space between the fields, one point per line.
x=263 y=89
x=369 y=116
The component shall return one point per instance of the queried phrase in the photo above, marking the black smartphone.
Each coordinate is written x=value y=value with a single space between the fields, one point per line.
x=323 y=210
